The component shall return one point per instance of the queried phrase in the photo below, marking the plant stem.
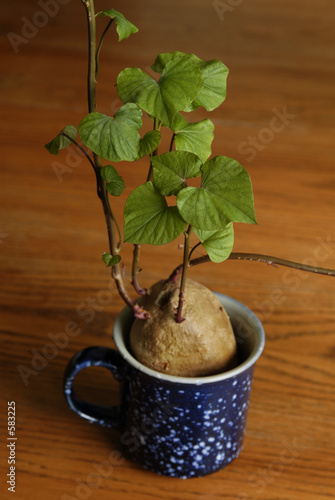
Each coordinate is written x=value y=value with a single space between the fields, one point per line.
x=157 y=126
x=136 y=254
x=150 y=173
x=117 y=275
x=136 y=271
x=191 y=252
x=175 y=274
x=267 y=259
x=79 y=147
x=99 y=48
x=109 y=217
x=91 y=80
x=117 y=246
x=138 y=311
x=172 y=141
x=185 y=266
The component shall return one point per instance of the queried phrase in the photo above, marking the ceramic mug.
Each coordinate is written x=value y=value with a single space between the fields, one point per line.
x=176 y=426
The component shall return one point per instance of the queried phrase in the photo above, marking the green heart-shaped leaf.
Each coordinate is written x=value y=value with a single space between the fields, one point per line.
x=218 y=244
x=194 y=137
x=164 y=58
x=214 y=90
x=60 y=141
x=148 y=218
x=114 y=182
x=149 y=143
x=116 y=138
x=225 y=196
x=179 y=84
x=214 y=74
x=171 y=170
x=124 y=27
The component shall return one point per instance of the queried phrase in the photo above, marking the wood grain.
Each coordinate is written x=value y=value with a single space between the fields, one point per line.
x=281 y=56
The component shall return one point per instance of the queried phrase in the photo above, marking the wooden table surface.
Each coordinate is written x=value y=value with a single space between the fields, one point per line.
x=281 y=58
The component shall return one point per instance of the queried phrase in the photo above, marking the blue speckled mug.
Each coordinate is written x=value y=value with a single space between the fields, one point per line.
x=177 y=426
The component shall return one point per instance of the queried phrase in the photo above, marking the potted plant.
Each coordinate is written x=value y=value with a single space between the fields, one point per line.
x=185 y=356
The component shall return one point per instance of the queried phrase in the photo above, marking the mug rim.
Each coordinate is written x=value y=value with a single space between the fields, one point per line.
x=232 y=306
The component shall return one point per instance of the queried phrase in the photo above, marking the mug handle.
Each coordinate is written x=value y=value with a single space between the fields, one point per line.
x=93 y=356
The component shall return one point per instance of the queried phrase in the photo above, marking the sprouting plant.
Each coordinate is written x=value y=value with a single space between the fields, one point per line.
x=165 y=205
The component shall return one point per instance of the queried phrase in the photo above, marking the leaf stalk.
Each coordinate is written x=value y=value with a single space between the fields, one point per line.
x=136 y=271
x=185 y=266
x=97 y=55
x=111 y=223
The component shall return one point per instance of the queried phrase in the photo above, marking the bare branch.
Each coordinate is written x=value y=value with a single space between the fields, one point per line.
x=268 y=259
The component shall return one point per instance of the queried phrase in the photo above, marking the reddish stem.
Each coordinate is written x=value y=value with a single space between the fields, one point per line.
x=136 y=271
x=184 y=268
x=175 y=274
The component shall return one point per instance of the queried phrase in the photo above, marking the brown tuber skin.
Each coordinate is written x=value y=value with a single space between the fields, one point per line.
x=203 y=344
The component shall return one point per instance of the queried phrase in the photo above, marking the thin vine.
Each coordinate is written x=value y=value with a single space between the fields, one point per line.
x=111 y=223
